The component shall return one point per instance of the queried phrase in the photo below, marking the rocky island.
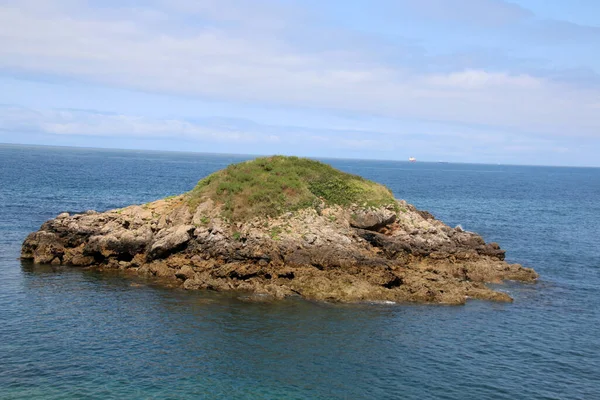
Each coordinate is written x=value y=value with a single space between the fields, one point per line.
x=284 y=226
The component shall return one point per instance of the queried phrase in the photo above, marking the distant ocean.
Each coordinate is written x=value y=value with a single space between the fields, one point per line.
x=73 y=334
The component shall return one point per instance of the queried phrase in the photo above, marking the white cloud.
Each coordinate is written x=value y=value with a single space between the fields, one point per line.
x=261 y=14
x=81 y=122
x=231 y=53
x=209 y=134
x=478 y=79
x=483 y=12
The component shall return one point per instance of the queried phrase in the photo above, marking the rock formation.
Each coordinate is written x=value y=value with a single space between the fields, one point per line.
x=326 y=250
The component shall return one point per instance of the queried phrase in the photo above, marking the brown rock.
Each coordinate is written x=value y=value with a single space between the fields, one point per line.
x=170 y=241
x=185 y=273
x=372 y=219
x=332 y=254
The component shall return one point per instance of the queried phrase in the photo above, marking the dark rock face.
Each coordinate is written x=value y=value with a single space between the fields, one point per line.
x=339 y=254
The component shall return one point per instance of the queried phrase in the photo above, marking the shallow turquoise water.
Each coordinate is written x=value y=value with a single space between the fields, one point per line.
x=71 y=334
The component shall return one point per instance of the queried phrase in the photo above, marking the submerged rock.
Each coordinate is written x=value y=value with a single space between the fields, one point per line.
x=326 y=248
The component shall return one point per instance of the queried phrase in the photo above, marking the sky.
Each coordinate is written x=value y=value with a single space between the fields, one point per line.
x=484 y=81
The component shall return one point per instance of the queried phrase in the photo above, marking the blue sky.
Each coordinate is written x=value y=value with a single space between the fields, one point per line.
x=456 y=80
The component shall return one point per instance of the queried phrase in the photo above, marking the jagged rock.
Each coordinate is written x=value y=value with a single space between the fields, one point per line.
x=315 y=256
x=185 y=273
x=203 y=212
x=170 y=240
x=324 y=252
x=372 y=219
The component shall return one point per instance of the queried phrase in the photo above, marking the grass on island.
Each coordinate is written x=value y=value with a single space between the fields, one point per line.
x=271 y=186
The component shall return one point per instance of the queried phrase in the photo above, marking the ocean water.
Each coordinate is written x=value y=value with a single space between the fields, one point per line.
x=73 y=334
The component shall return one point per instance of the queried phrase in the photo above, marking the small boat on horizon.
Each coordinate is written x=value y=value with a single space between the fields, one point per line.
x=412 y=159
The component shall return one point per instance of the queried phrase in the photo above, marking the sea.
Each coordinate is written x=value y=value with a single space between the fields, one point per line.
x=69 y=333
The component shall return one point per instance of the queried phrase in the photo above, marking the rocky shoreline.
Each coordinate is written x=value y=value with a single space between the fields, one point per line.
x=327 y=253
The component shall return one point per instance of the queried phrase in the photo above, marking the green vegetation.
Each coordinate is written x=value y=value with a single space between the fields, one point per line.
x=275 y=232
x=271 y=186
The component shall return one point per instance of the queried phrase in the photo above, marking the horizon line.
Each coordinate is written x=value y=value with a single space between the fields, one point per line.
x=267 y=155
